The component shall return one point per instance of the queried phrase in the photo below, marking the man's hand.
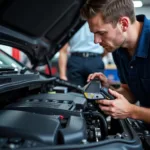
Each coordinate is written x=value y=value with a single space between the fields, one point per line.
x=63 y=78
x=101 y=77
x=119 y=108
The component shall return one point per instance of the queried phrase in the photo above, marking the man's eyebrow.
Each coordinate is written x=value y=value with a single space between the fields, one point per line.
x=100 y=32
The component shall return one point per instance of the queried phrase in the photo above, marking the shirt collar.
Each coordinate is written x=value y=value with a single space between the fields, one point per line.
x=144 y=40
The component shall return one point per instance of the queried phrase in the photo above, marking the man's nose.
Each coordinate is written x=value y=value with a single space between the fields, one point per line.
x=97 y=40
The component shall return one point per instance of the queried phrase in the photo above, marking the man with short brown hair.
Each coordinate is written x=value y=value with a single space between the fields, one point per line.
x=127 y=36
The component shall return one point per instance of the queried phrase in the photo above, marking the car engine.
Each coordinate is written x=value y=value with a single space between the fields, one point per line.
x=42 y=113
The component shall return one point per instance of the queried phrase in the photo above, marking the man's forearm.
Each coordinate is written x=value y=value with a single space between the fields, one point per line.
x=136 y=112
x=62 y=62
x=140 y=113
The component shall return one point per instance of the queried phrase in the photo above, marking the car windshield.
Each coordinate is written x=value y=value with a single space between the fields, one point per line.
x=7 y=61
x=10 y=62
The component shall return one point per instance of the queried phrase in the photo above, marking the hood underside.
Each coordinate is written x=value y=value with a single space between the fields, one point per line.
x=39 y=28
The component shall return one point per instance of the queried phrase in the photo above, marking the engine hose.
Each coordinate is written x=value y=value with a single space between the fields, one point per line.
x=104 y=125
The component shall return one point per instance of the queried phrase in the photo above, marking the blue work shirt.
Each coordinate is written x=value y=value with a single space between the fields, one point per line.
x=83 y=41
x=135 y=71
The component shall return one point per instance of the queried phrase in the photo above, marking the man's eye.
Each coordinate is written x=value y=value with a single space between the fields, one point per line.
x=102 y=33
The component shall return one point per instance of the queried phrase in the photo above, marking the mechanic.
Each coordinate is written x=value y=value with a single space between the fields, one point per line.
x=84 y=52
x=118 y=30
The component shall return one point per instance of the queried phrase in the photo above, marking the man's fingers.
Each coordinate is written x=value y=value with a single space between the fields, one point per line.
x=105 y=102
x=104 y=108
x=94 y=75
x=107 y=113
x=89 y=77
x=115 y=117
x=114 y=93
x=107 y=109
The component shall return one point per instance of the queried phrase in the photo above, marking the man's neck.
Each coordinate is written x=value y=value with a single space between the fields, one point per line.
x=133 y=37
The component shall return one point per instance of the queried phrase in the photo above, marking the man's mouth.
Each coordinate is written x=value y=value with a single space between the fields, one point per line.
x=105 y=46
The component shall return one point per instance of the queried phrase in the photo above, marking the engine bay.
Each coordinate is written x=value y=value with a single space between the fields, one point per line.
x=46 y=114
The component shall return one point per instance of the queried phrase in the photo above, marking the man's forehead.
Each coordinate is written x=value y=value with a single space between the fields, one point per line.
x=95 y=23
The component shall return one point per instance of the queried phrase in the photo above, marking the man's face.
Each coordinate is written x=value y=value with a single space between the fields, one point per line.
x=109 y=37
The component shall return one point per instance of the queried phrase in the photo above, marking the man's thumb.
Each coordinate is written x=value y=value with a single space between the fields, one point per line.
x=114 y=93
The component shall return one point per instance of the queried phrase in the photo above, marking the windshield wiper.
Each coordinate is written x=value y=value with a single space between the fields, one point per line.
x=7 y=70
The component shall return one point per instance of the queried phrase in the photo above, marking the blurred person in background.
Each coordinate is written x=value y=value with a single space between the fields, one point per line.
x=85 y=57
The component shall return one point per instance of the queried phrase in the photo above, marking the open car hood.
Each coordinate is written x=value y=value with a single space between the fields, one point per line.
x=40 y=112
x=39 y=28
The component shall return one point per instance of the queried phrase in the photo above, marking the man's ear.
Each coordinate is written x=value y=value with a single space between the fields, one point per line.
x=124 y=21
